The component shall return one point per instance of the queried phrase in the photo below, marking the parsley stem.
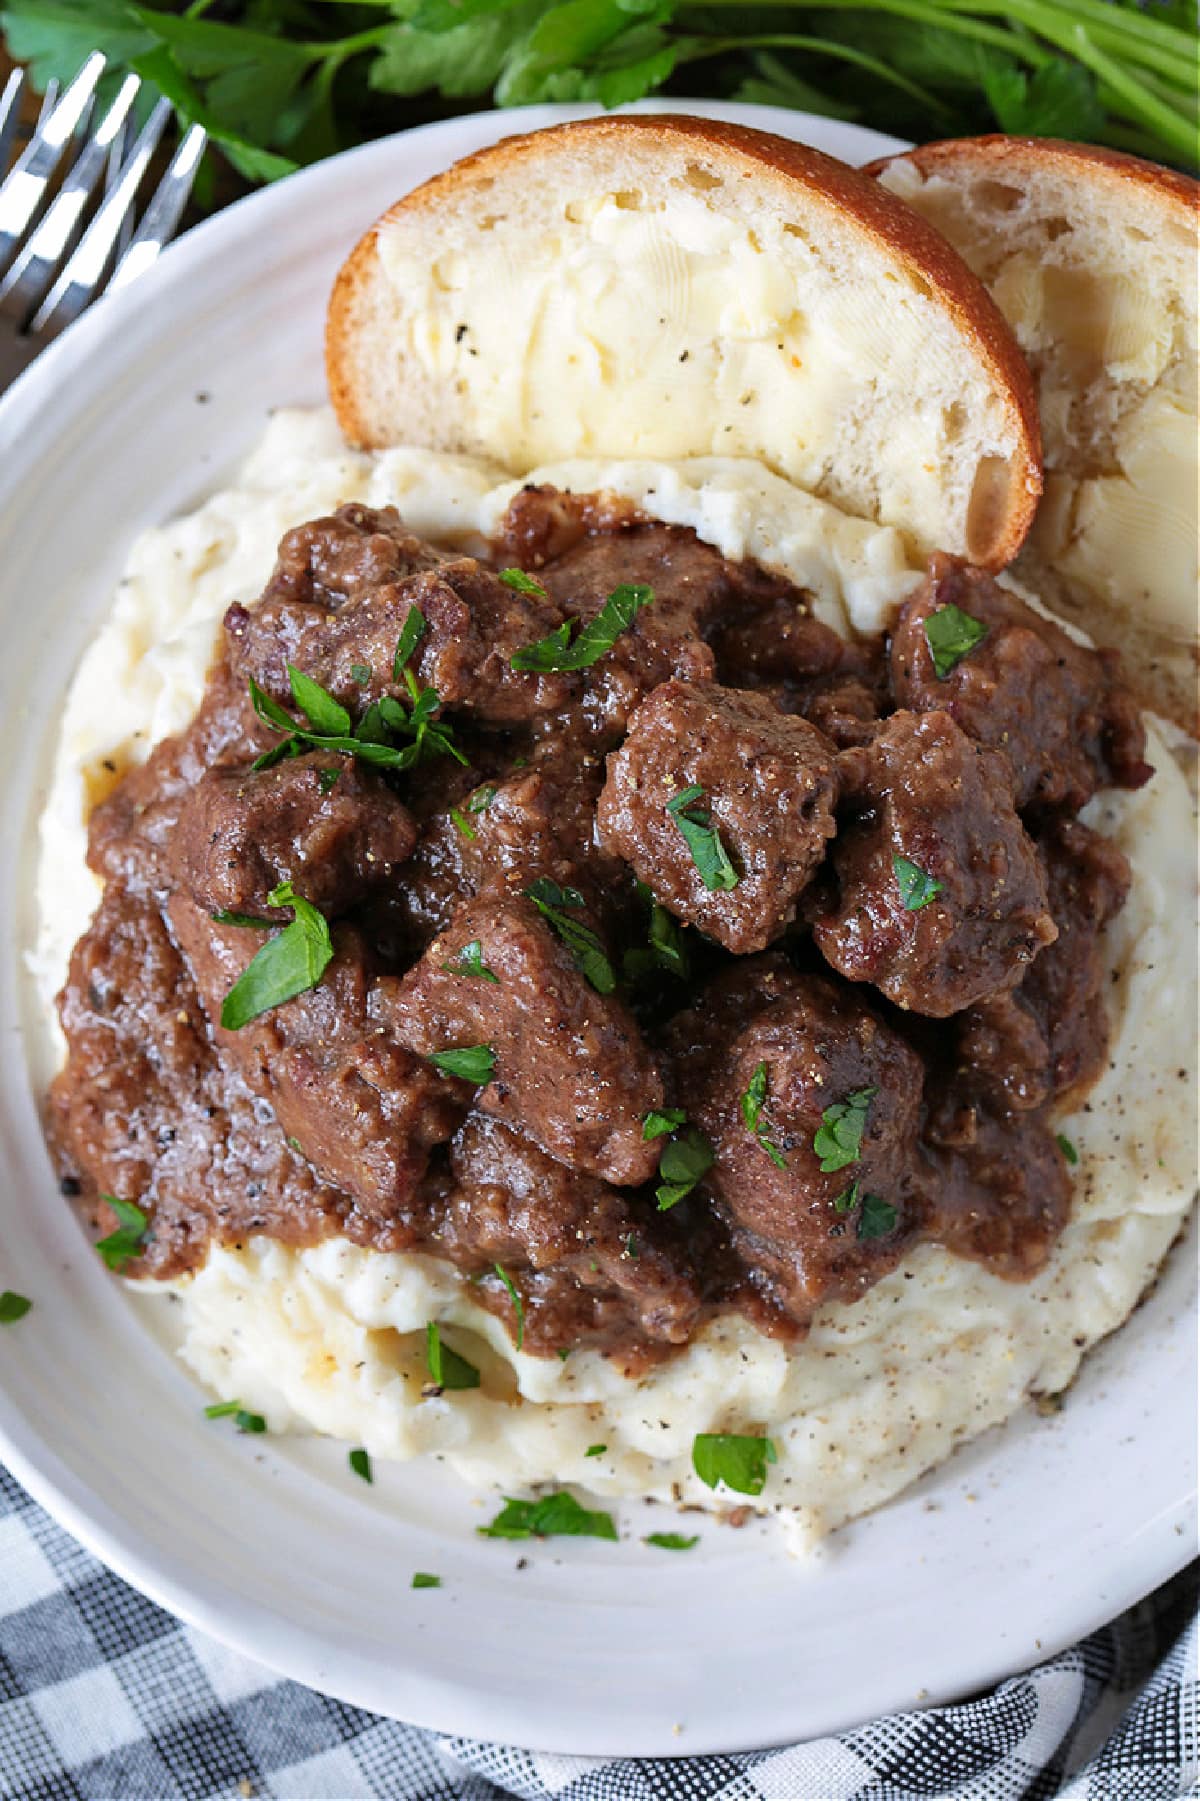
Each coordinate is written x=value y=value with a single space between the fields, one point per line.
x=704 y=47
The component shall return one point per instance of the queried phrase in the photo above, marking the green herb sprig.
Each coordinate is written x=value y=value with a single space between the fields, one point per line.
x=446 y=1368
x=287 y=965
x=130 y=1237
x=558 y=653
x=739 y=1460
x=952 y=635
x=752 y=1103
x=587 y=952
x=684 y=1160
x=703 y=840
x=557 y=1515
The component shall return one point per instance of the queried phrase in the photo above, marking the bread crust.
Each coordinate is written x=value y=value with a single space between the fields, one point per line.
x=1003 y=152
x=908 y=238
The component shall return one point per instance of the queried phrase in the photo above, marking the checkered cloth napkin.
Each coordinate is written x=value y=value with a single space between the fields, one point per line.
x=103 y=1697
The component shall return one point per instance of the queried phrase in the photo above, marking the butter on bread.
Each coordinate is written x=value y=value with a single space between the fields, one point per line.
x=1092 y=257
x=670 y=287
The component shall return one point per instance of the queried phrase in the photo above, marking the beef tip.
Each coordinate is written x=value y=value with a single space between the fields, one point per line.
x=1003 y=1194
x=365 y=1111
x=582 y=547
x=145 y=1109
x=536 y=822
x=809 y=1234
x=1048 y=1037
x=1056 y=710
x=806 y=667
x=339 y=599
x=594 y=1267
x=571 y=1069
x=327 y=823
x=931 y=805
x=769 y=787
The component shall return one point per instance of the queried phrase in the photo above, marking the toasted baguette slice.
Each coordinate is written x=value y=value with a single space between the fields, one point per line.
x=1092 y=258
x=671 y=287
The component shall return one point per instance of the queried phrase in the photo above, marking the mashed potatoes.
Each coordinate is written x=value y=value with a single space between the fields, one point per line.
x=331 y=1338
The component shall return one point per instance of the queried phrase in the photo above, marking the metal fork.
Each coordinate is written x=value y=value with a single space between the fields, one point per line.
x=61 y=249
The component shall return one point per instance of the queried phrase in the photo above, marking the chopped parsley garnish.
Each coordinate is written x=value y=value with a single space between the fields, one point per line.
x=131 y=1236
x=557 y=654
x=595 y=1450
x=876 y=1218
x=411 y=633
x=848 y=1199
x=423 y=1579
x=325 y=714
x=951 y=635
x=463 y=823
x=470 y=1063
x=703 y=840
x=658 y=1122
x=838 y=1139
x=587 y=952
x=666 y=949
x=739 y=1461
x=287 y=965
x=252 y=921
x=557 y=1515
x=13 y=1307
x=684 y=1160
x=515 y=1297
x=244 y=1421
x=672 y=1541
x=916 y=888
x=752 y=1103
x=1067 y=1148
x=360 y=1462
x=481 y=800
x=470 y=963
x=360 y=673
x=520 y=583
x=327 y=780
x=446 y=1368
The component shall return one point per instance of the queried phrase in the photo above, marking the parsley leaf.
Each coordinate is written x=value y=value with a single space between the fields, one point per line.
x=13 y=1307
x=684 y=1160
x=738 y=1460
x=446 y=1368
x=557 y=654
x=672 y=1541
x=658 y=1122
x=131 y=1236
x=470 y=1063
x=464 y=825
x=422 y=1579
x=520 y=583
x=916 y=888
x=325 y=714
x=556 y=1515
x=838 y=1139
x=595 y=1450
x=587 y=952
x=470 y=963
x=1067 y=1148
x=222 y=1410
x=287 y=965
x=876 y=1218
x=847 y=1201
x=518 y=1307
x=703 y=840
x=482 y=798
x=752 y=1104
x=951 y=635
x=360 y=673
x=244 y=1421
x=360 y=1462
x=411 y=633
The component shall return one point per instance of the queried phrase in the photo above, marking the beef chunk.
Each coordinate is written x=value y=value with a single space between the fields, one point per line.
x=768 y=787
x=147 y=1110
x=1055 y=709
x=571 y=1069
x=328 y=824
x=810 y=1234
x=365 y=1110
x=594 y=1267
x=338 y=601
x=926 y=795
x=1049 y=1036
x=839 y=687
x=583 y=547
x=537 y=821
x=1002 y=1195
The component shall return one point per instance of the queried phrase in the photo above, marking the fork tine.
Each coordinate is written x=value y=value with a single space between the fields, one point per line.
x=83 y=276
x=10 y=112
x=162 y=215
x=35 y=264
x=25 y=186
x=49 y=102
x=116 y=162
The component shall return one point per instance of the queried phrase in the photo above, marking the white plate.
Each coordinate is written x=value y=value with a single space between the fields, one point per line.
x=1020 y=1544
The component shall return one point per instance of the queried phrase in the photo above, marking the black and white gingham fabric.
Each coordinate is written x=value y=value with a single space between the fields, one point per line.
x=103 y=1697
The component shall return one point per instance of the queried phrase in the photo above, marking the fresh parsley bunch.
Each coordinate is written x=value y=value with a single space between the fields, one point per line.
x=279 y=83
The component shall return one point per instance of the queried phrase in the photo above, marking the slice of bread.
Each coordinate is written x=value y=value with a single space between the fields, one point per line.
x=1092 y=258
x=667 y=287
